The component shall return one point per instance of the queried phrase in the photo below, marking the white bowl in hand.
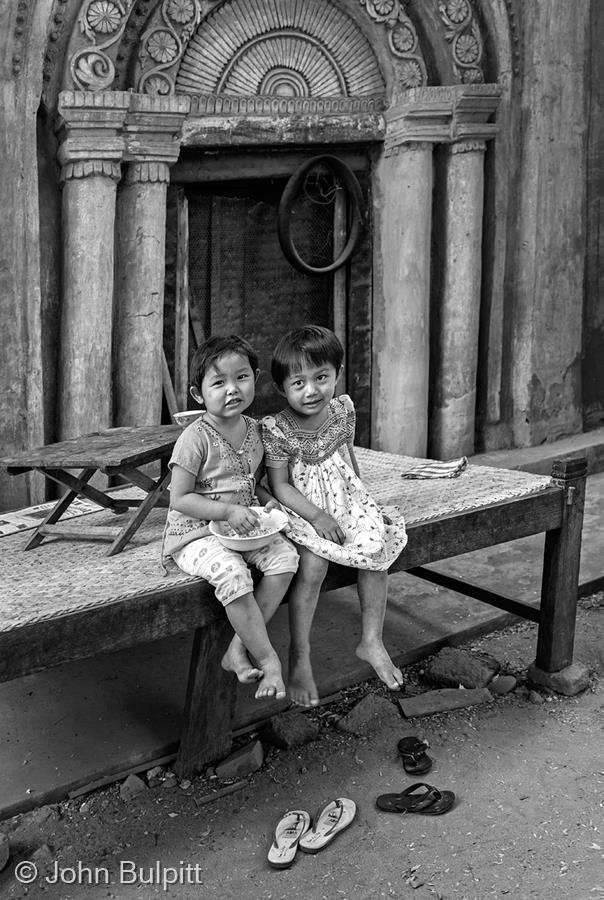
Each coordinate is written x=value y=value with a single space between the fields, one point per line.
x=186 y=417
x=269 y=524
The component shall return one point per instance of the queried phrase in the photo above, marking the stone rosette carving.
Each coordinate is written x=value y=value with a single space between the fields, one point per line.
x=163 y=44
x=102 y=23
x=402 y=40
x=463 y=33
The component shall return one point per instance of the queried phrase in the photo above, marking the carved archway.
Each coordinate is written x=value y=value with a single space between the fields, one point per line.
x=366 y=46
x=296 y=48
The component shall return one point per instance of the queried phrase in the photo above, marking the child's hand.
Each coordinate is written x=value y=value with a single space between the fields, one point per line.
x=327 y=527
x=387 y=519
x=242 y=519
x=273 y=504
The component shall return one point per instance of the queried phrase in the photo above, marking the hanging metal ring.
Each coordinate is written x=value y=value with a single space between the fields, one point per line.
x=343 y=171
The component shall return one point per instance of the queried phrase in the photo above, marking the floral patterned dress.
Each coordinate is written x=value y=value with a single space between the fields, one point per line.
x=320 y=468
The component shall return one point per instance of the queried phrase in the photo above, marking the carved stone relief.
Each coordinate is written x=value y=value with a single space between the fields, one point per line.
x=291 y=48
x=402 y=39
x=285 y=48
x=102 y=23
x=163 y=44
x=463 y=33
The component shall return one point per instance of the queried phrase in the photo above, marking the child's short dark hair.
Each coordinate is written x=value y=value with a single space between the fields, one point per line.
x=211 y=351
x=313 y=344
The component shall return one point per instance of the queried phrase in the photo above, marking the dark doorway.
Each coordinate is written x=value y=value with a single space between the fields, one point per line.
x=239 y=280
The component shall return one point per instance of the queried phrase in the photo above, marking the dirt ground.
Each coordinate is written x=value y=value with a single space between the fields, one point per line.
x=528 y=774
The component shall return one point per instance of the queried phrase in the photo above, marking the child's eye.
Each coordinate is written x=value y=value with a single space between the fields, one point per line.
x=243 y=376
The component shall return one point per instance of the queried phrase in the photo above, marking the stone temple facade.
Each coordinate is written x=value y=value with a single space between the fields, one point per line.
x=147 y=144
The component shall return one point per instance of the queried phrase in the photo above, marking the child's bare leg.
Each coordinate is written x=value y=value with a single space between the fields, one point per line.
x=268 y=594
x=245 y=616
x=303 y=597
x=373 y=593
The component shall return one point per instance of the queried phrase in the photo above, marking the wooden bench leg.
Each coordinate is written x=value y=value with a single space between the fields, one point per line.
x=209 y=703
x=559 y=589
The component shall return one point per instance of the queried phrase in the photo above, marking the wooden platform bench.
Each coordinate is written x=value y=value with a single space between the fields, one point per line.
x=67 y=600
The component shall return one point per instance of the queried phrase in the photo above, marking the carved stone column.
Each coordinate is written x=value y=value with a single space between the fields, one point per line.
x=401 y=311
x=409 y=345
x=152 y=145
x=90 y=154
x=455 y=327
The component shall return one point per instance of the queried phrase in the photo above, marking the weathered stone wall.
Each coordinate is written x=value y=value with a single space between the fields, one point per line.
x=547 y=227
x=593 y=328
x=22 y=46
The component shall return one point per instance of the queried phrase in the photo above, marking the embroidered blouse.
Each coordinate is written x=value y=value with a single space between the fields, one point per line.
x=221 y=473
x=287 y=442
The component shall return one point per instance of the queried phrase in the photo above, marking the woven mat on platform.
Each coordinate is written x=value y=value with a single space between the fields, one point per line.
x=32 y=516
x=421 y=500
x=62 y=576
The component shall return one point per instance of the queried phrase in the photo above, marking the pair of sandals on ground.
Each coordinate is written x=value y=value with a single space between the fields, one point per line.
x=295 y=830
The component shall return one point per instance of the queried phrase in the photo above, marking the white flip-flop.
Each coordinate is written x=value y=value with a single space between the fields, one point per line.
x=288 y=831
x=330 y=820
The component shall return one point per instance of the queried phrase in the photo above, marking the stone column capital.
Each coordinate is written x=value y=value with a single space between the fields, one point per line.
x=99 y=130
x=409 y=147
x=152 y=130
x=443 y=114
x=467 y=146
x=147 y=172
x=89 y=128
x=86 y=168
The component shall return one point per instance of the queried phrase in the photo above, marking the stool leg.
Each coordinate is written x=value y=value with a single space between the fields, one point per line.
x=75 y=485
x=560 y=585
x=138 y=518
x=210 y=702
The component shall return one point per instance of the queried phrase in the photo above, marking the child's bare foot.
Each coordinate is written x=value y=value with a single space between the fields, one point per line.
x=377 y=656
x=271 y=684
x=236 y=660
x=301 y=683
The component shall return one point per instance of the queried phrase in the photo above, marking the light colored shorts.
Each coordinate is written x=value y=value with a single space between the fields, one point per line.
x=227 y=570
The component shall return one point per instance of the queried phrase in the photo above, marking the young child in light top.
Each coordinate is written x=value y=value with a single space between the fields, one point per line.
x=216 y=465
x=313 y=472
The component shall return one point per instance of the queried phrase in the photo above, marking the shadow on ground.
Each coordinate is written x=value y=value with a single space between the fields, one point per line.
x=528 y=821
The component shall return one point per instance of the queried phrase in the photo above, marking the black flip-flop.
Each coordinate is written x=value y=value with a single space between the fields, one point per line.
x=413 y=753
x=429 y=802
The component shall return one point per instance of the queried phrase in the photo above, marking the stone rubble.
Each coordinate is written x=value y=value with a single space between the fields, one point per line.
x=131 y=787
x=452 y=667
x=363 y=715
x=443 y=700
x=289 y=730
x=244 y=761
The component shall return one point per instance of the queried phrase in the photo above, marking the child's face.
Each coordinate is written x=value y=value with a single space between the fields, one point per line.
x=228 y=387
x=309 y=390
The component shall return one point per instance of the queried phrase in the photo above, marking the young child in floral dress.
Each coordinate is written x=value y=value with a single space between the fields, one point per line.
x=216 y=464
x=313 y=472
